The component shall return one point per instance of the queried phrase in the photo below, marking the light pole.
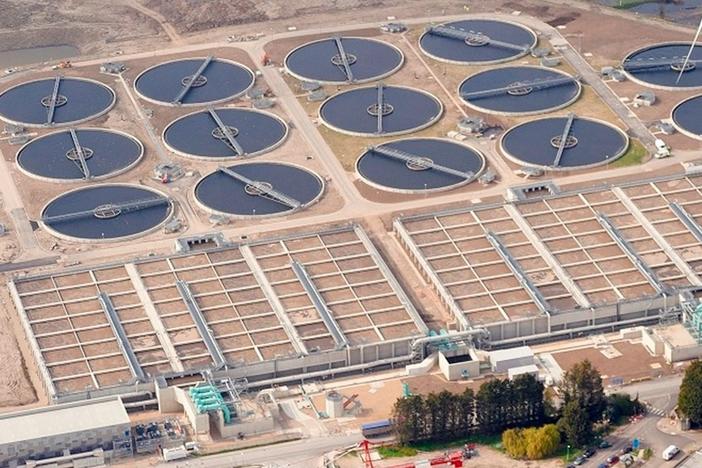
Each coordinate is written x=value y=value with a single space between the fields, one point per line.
x=567 y=453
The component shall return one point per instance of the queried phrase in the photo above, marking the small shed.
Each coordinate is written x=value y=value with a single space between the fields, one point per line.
x=503 y=360
x=531 y=369
x=459 y=364
x=644 y=98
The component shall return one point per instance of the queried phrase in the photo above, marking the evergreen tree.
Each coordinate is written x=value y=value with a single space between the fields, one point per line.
x=583 y=384
x=690 y=397
x=576 y=424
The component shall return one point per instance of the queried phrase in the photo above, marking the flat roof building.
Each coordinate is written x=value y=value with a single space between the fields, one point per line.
x=49 y=431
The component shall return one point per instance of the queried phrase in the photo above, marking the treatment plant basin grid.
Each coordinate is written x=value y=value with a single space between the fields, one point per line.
x=473 y=271
x=556 y=255
x=249 y=304
x=73 y=335
x=350 y=280
x=657 y=201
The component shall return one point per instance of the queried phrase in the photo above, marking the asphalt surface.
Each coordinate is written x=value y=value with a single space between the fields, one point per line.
x=304 y=453
x=661 y=396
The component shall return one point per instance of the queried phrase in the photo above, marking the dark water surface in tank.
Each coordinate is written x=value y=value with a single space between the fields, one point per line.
x=106 y=152
x=83 y=99
x=458 y=51
x=665 y=75
x=222 y=193
x=531 y=142
x=368 y=59
x=536 y=99
x=255 y=132
x=224 y=80
x=411 y=109
x=396 y=174
x=92 y=227
x=688 y=115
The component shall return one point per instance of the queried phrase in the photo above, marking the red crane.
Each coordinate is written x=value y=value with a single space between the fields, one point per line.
x=365 y=445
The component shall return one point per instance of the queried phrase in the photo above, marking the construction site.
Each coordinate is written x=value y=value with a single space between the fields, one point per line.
x=187 y=225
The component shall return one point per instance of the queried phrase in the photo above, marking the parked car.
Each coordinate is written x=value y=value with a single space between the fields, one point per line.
x=670 y=452
x=590 y=451
x=627 y=449
x=605 y=444
x=612 y=460
x=627 y=459
x=580 y=460
x=602 y=465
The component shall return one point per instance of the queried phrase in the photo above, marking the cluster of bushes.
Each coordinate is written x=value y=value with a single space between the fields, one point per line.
x=531 y=443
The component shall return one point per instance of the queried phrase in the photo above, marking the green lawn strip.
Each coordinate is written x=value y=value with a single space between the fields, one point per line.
x=626 y=4
x=633 y=156
x=394 y=451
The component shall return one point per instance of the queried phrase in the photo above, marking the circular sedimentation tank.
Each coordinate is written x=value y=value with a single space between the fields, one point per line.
x=380 y=110
x=194 y=81
x=55 y=102
x=564 y=143
x=258 y=189
x=79 y=155
x=519 y=90
x=687 y=117
x=340 y=60
x=664 y=66
x=106 y=213
x=225 y=133
x=413 y=165
x=477 y=41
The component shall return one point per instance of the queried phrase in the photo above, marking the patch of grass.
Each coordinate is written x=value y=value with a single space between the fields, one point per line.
x=626 y=4
x=493 y=441
x=633 y=156
x=567 y=455
x=395 y=451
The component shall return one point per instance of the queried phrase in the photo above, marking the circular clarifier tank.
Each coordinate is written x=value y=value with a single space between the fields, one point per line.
x=222 y=133
x=477 y=41
x=258 y=189
x=665 y=66
x=564 y=143
x=519 y=90
x=380 y=111
x=339 y=60
x=55 y=102
x=106 y=213
x=414 y=165
x=78 y=155
x=687 y=117
x=194 y=81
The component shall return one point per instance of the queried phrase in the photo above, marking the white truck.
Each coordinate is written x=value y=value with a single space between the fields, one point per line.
x=662 y=149
x=175 y=453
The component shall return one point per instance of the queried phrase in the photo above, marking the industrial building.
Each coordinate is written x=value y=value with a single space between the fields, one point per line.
x=53 y=431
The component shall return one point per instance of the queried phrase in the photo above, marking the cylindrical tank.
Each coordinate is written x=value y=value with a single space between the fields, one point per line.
x=335 y=404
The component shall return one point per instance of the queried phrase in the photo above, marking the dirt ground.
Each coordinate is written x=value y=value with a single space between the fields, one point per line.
x=487 y=458
x=634 y=362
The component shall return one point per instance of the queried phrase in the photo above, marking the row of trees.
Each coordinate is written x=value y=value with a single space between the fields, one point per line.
x=498 y=405
x=520 y=403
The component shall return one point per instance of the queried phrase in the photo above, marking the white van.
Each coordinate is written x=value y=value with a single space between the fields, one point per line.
x=670 y=452
x=662 y=149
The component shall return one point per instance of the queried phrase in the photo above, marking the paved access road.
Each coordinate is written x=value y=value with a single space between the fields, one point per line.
x=305 y=453
x=661 y=395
